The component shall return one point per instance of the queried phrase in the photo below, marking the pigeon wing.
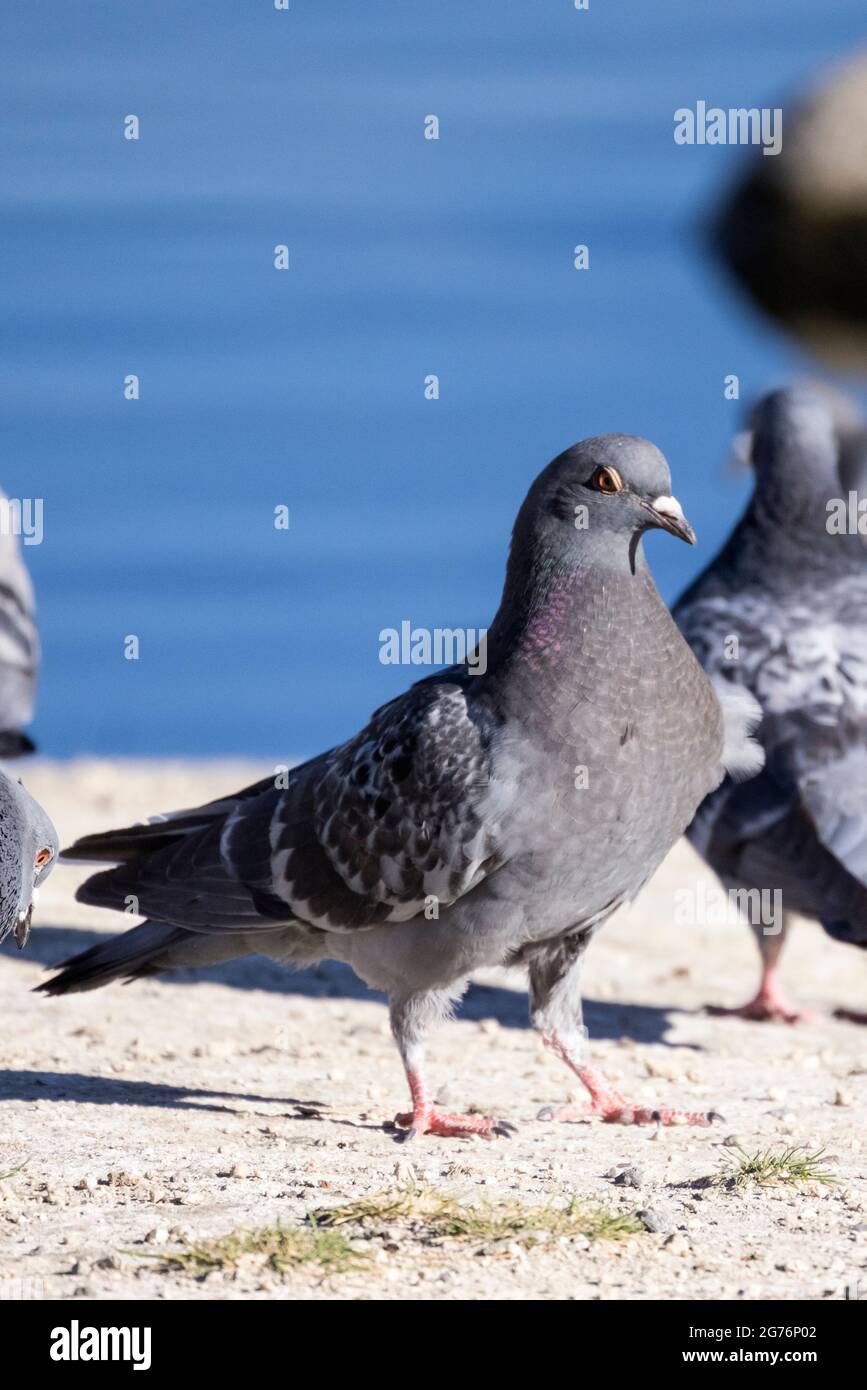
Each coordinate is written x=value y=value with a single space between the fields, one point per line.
x=370 y=832
x=835 y=799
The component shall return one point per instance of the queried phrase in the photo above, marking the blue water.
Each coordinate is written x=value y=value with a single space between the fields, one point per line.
x=305 y=387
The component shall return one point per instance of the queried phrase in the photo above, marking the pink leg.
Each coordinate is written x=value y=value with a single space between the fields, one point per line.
x=770 y=1003
x=426 y=1119
x=609 y=1104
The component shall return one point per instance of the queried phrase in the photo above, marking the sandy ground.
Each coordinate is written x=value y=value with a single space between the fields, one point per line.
x=169 y=1110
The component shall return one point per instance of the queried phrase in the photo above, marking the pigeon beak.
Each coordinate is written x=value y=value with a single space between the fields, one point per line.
x=668 y=514
x=22 y=927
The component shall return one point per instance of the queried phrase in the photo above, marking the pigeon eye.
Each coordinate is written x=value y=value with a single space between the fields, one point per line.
x=607 y=480
x=42 y=858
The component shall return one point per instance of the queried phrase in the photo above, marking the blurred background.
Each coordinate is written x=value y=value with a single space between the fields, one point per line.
x=305 y=388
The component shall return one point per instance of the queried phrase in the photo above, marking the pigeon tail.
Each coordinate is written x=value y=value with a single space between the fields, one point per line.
x=148 y=949
x=14 y=743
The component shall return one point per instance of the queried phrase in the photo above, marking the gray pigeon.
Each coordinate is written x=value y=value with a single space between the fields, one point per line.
x=782 y=612
x=19 y=644
x=478 y=819
x=28 y=853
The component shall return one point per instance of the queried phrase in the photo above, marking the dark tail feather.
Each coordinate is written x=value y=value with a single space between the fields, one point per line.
x=134 y=953
x=118 y=846
x=852 y=933
x=150 y=949
x=14 y=744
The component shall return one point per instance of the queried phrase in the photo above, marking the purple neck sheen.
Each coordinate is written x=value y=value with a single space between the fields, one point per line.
x=552 y=623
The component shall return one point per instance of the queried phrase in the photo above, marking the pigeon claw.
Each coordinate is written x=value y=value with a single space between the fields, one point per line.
x=642 y=1115
x=562 y=1112
x=851 y=1015
x=620 y=1112
x=433 y=1121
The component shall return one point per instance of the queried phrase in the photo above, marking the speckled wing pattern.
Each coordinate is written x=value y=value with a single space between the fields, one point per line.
x=396 y=808
x=807 y=664
x=364 y=834
x=19 y=639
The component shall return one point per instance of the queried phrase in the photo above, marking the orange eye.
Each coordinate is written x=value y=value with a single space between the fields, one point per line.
x=608 y=480
x=42 y=858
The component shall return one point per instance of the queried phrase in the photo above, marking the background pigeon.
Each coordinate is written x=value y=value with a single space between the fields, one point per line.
x=478 y=818
x=28 y=853
x=782 y=611
x=19 y=646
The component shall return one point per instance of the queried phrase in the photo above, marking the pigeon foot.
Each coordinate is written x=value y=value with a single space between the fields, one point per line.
x=760 y=1010
x=609 y=1104
x=617 y=1111
x=770 y=1005
x=424 y=1118
x=433 y=1121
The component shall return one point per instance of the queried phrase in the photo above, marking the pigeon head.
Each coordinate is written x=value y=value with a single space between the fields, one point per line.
x=794 y=450
x=596 y=500
x=28 y=852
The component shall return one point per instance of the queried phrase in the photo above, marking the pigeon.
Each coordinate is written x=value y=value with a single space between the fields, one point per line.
x=19 y=644
x=495 y=813
x=28 y=853
x=782 y=612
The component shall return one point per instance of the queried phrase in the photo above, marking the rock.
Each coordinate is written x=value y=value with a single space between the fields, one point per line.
x=654 y=1221
x=844 y=1099
x=629 y=1177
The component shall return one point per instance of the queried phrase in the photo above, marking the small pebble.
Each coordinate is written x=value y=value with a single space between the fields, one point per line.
x=654 y=1221
x=676 y=1244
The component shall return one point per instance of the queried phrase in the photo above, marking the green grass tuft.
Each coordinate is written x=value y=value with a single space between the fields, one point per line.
x=428 y=1214
x=278 y=1248
x=12 y=1171
x=329 y=1238
x=792 y=1165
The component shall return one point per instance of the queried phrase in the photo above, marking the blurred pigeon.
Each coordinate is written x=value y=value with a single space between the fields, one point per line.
x=19 y=644
x=782 y=611
x=478 y=819
x=28 y=852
